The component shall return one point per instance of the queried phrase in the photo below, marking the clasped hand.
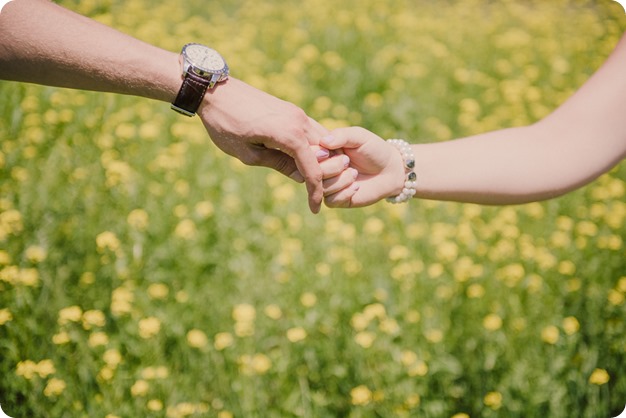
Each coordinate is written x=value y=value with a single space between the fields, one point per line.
x=361 y=168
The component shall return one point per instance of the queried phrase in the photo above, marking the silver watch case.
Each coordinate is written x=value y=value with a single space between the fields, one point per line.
x=204 y=62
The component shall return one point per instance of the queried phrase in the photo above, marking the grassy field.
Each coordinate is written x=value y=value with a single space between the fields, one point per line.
x=145 y=274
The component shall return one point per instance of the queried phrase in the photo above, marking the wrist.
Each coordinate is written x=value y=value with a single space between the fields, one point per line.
x=405 y=179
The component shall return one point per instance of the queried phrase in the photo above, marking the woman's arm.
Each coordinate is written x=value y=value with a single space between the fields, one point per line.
x=584 y=138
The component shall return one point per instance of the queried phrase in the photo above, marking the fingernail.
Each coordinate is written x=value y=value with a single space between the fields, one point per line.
x=297 y=176
x=322 y=153
x=355 y=173
x=346 y=160
x=328 y=139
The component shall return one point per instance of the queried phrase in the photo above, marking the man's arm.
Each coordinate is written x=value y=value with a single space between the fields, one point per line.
x=43 y=43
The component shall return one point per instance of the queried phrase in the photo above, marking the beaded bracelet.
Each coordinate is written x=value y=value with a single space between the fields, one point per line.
x=410 y=184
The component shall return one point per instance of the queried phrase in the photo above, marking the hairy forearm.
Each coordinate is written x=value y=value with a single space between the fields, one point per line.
x=81 y=53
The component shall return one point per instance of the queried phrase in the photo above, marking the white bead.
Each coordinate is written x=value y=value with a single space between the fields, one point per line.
x=406 y=152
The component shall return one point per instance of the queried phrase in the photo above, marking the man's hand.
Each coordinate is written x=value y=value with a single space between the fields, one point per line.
x=262 y=130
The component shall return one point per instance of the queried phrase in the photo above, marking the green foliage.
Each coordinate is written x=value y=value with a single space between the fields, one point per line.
x=144 y=273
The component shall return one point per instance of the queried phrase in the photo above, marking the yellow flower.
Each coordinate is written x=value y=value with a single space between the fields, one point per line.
x=186 y=229
x=599 y=377
x=571 y=325
x=154 y=405
x=29 y=277
x=138 y=219
x=93 y=318
x=492 y=322
x=615 y=298
x=308 y=299
x=97 y=339
x=244 y=313
x=256 y=364
x=460 y=415
x=121 y=300
x=26 y=369
x=112 y=357
x=139 y=388
x=107 y=240
x=550 y=334
x=5 y=316
x=493 y=400
x=35 y=253
x=360 y=395
x=373 y=226
x=419 y=368
x=273 y=311
x=197 y=339
x=204 y=209
x=399 y=252
x=365 y=339
x=158 y=291
x=149 y=327
x=70 y=314
x=375 y=310
x=45 y=368
x=54 y=387
x=359 y=321
x=475 y=291
x=106 y=373
x=296 y=334
x=223 y=340
x=61 y=338
x=434 y=335
x=225 y=414
x=5 y=258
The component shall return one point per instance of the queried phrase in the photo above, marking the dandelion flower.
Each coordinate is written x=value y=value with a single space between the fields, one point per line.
x=35 y=253
x=98 y=339
x=296 y=334
x=223 y=340
x=197 y=339
x=492 y=322
x=365 y=339
x=158 y=291
x=571 y=325
x=139 y=388
x=308 y=299
x=93 y=318
x=599 y=377
x=149 y=327
x=45 y=368
x=70 y=314
x=550 y=334
x=360 y=395
x=493 y=400
x=5 y=316
x=154 y=405
x=54 y=387
x=244 y=313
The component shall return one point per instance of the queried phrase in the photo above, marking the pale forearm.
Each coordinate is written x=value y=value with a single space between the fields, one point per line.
x=43 y=43
x=510 y=166
x=579 y=141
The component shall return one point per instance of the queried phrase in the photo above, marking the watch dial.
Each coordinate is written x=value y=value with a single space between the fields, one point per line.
x=206 y=59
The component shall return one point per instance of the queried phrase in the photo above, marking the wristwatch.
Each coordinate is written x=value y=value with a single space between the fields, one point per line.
x=203 y=68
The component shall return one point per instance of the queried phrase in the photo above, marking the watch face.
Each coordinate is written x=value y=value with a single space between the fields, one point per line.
x=204 y=59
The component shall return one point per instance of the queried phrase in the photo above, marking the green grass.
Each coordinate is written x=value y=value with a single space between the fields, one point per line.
x=197 y=286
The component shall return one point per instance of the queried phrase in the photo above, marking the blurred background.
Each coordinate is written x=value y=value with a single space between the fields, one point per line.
x=145 y=274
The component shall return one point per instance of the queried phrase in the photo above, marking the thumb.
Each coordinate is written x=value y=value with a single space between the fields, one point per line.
x=352 y=137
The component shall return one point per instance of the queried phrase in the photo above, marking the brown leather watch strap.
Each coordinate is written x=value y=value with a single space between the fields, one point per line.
x=190 y=94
